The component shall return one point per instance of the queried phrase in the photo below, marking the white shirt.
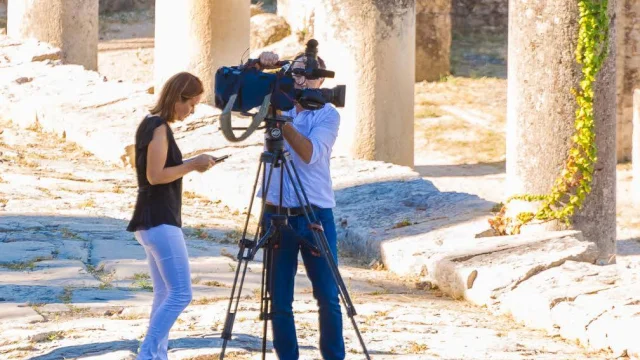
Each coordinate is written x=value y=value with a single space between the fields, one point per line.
x=321 y=128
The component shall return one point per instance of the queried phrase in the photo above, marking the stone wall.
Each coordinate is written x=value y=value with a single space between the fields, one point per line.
x=108 y=6
x=474 y=15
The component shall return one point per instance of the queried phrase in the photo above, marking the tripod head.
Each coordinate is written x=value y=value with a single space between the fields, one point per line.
x=273 y=135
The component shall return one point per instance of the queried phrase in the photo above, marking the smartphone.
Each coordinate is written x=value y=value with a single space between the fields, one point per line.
x=221 y=158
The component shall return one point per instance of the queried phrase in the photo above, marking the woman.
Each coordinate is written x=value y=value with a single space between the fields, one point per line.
x=156 y=219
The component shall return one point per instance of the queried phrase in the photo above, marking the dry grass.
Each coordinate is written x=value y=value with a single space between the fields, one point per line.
x=462 y=118
x=48 y=337
x=141 y=281
x=71 y=177
x=68 y=234
x=206 y=300
x=190 y=195
x=230 y=355
x=46 y=191
x=202 y=234
x=380 y=292
x=403 y=223
x=133 y=316
x=89 y=203
x=66 y=295
x=21 y=266
x=25 y=162
x=214 y=284
x=35 y=126
x=417 y=348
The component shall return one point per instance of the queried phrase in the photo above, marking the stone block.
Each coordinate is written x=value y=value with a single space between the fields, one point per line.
x=483 y=271
x=16 y=314
x=532 y=301
x=575 y=318
x=267 y=29
x=22 y=252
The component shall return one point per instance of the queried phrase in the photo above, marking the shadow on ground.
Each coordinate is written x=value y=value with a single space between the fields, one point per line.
x=242 y=341
x=462 y=170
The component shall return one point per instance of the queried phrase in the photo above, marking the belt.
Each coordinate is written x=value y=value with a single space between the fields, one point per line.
x=296 y=211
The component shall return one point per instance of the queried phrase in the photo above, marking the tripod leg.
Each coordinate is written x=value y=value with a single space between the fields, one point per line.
x=325 y=250
x=251 y=248
x=265 y=307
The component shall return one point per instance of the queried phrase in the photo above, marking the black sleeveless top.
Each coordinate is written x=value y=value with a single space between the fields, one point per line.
x=156 y=204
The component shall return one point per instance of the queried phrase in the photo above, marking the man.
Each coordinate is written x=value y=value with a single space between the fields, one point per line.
x=309 y=140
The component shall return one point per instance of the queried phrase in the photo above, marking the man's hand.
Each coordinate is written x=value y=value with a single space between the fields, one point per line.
x=268 y=59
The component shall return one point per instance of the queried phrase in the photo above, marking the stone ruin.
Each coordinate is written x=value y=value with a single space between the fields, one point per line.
x=379 y=49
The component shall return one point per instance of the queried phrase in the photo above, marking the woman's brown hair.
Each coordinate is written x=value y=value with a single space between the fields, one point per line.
x=180 y=87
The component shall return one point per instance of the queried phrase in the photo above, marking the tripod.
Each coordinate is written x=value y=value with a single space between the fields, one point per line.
x=277 y=157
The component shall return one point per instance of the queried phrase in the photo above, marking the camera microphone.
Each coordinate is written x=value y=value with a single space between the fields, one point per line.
x=313 y=74
x=321 y=73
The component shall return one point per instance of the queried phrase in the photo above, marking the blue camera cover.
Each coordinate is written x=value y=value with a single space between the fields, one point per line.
x=252 y=85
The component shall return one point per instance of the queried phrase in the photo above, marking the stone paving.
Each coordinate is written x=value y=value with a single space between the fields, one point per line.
x=74 y=284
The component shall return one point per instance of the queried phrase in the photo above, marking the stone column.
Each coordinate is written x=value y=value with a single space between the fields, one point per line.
x=433 y=39
x=71 y=25
x=541 y=111
x=370 y=44
x=199 y=36
x=635 y=187
x=628 y=73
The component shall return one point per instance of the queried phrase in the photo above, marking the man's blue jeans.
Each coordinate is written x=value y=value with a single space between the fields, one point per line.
x=325 y=290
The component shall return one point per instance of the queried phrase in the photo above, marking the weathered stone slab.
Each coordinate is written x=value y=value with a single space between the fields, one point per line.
x=120 y=270
x=105 y=250
x=73 y=249
x=54 y=308
x=18 y=52
x=532 y=301
x=617 y=330
x=576 y=317
x=46 y=282
x=495 y=265
x=35 y=294
x=110 y=297
x=397 y=210
x=18 y=313
x=25 y=251
x=409 y=255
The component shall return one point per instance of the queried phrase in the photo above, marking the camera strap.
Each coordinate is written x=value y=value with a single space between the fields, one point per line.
x=225 y=116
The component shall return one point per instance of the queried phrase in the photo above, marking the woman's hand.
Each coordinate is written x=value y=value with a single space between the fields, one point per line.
x=268 y=59
x=202 y=162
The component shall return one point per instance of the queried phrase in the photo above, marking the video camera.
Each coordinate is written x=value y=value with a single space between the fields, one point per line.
x=246 y=87
x=252 y=85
